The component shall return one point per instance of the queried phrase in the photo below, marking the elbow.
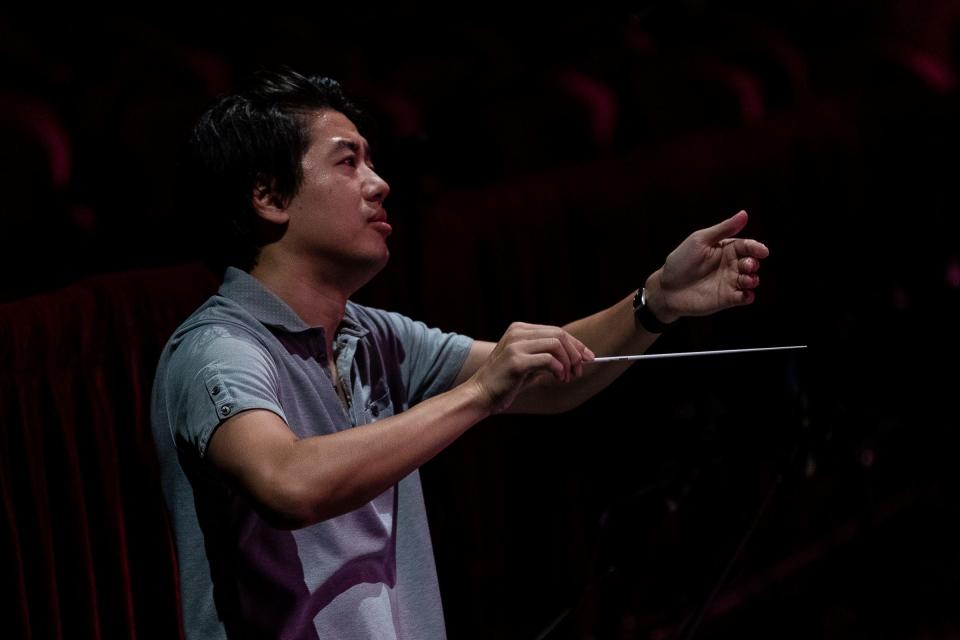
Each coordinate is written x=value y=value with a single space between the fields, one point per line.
x=292 y=504
x=295 y=503
x=300 y=506
x=289 y=499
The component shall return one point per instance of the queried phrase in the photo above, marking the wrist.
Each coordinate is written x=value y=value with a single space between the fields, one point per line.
x=656 y=300
x=479 y=397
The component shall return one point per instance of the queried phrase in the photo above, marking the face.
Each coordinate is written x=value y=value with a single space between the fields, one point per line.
x=337 y=216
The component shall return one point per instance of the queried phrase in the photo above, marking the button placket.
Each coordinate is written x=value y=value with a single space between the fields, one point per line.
x=345 y=350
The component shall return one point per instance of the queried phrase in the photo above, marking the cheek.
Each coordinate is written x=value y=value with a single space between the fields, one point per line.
x=332 y=192
x=317 y=201
x=330 y=204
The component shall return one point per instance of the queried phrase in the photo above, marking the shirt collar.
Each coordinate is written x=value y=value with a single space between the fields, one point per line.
x=271 y=310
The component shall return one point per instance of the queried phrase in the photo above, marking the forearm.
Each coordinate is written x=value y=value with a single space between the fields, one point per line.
x=612 y=331
x=340 y=472
x=296 y=482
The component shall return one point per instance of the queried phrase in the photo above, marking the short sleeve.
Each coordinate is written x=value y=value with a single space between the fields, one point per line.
x=215 y=373
x=432 y=359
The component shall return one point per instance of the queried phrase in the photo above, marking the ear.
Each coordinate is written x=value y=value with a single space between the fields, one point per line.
x=268 y=204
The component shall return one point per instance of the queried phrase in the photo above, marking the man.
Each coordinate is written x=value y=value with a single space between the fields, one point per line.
x=290 y=421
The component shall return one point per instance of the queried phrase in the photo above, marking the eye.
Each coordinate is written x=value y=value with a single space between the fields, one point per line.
x=350 y=161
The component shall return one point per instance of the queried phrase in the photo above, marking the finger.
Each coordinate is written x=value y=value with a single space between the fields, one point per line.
x=528 y=338
x=580 y=353
x=747 y=281
x=553 y=346
x=574 y=351
x=544 y=363
x=571 y=353
x=748 y=265
x=587 y=356
x=738 y=297
x=729 y=227
x=530 y=331
x=577 y=352
x=540 y=377
x=748 y=248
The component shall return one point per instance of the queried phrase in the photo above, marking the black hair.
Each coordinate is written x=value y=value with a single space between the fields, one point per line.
x=257 y=136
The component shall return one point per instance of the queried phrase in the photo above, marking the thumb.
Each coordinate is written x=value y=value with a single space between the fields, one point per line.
x=729 y=227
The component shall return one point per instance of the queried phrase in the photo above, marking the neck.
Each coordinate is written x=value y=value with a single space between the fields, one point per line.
x=315 y=298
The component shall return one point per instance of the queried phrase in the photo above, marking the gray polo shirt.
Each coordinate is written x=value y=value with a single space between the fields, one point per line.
x=369 y=573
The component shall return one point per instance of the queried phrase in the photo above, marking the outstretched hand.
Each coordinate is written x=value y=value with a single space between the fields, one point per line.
x=709 y=271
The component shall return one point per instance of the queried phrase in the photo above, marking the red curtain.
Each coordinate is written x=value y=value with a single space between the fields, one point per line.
x=85 y=544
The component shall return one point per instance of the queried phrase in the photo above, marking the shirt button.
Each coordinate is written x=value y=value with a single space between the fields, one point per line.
x=376 y=411
x=225 y=410
x=216 y=390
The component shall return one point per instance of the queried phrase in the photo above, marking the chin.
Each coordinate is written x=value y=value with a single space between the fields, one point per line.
x=382 y=256
x=364 y=270
x=375 y=263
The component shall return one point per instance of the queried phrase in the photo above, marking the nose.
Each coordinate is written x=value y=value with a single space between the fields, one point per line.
x=376 y=188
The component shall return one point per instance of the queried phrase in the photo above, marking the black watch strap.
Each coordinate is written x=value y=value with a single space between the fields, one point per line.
x=641 y=311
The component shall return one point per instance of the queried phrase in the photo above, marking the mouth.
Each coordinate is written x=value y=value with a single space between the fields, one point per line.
x=379 y=222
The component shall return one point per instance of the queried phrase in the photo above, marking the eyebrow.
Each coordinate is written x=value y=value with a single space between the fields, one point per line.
x=344 y=143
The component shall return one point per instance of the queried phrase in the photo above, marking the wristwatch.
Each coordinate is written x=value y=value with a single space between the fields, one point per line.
x=643 y=314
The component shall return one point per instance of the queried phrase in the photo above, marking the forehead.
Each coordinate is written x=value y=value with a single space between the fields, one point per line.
x=329 y=129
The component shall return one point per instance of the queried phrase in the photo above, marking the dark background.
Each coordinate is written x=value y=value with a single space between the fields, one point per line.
x=541 y=166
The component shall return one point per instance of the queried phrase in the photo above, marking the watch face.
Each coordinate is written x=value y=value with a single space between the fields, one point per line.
x=643 y=314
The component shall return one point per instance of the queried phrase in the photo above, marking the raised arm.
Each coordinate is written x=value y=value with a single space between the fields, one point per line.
x=709 y=271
